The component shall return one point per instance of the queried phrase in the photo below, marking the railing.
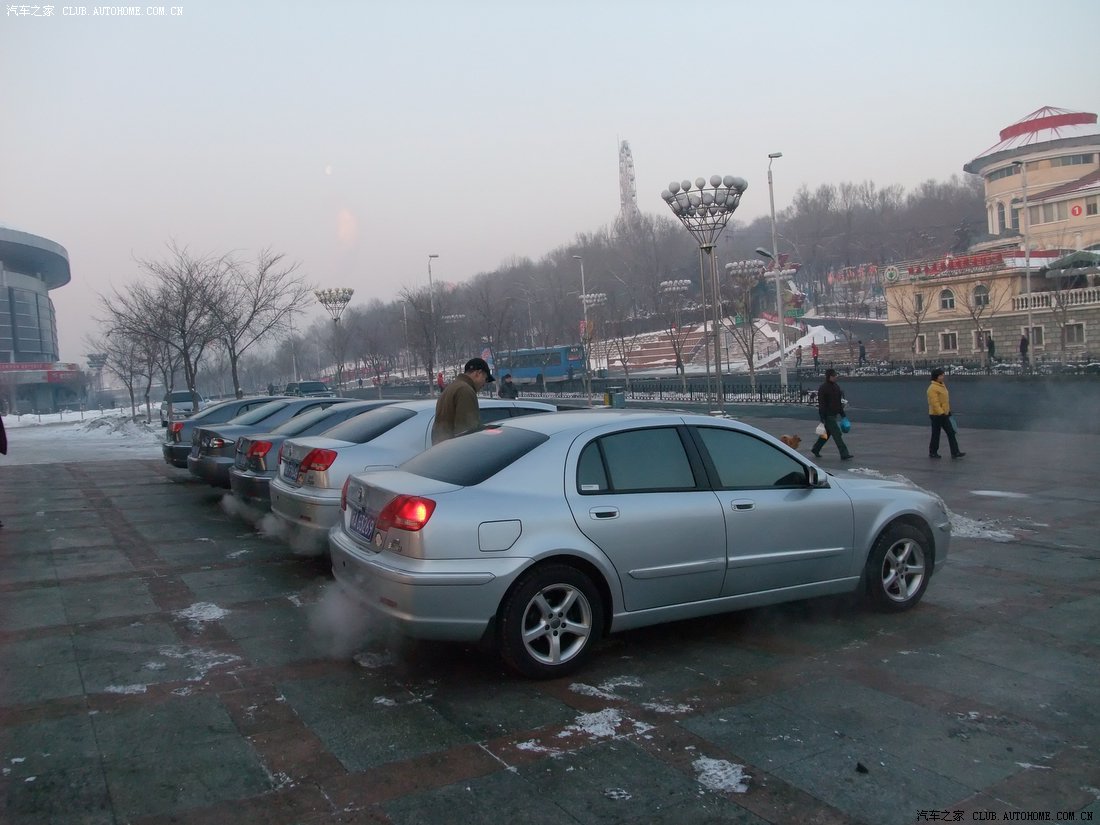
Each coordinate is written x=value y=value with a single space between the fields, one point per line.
x=1048 y=300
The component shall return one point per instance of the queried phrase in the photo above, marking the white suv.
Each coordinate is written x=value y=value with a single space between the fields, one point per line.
x=181 y=406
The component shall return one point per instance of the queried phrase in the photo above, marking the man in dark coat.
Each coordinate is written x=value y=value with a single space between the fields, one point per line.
x=830 y=408
x=457 y=411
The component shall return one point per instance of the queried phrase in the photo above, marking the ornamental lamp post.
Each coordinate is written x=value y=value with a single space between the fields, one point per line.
x=704 y=209
x=675 y=291
x=779 y=274
x=335 y=301
x=590 y=300
x=780 y=320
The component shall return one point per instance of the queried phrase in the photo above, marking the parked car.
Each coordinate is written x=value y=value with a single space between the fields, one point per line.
x=178 y=405
x=545 y=533
x=256 y=457
x=309 y=389
x=177 y=440
x=305 y=494
x=213 y=448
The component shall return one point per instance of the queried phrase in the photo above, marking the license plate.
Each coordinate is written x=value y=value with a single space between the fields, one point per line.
x=362 y=524
x=290 y=470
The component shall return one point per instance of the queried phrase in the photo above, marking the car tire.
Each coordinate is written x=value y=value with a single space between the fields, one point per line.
x=550 y=621
x=898 y=568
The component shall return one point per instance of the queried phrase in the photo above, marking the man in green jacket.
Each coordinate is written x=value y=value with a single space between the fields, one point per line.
x=456 y=411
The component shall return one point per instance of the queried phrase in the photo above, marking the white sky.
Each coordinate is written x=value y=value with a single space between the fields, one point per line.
x=357 y=137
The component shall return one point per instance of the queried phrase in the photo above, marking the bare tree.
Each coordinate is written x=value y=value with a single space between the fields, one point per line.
x=982 y=303
x=746 y=291
x=912 y=306
x=257 y=299
x=173 y=305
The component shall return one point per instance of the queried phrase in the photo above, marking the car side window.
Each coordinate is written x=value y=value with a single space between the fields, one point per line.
x=636 y=461
x=743 y=461
x=490 y=415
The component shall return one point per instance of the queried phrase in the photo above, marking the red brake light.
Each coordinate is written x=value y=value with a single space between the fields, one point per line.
x=259 y=449
x=406 y=513
x=344 y=494
x=317 y=460
x=175 y=427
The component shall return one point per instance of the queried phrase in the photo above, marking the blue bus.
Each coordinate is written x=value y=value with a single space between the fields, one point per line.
x=551 y=363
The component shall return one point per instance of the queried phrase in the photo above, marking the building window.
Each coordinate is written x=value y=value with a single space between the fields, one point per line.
x=981 y=296
x=1074 y=334
x=920 y=345
x=1092 y=205
x=1072 y=160
x=1000 y=218
x=947 y=299
x=949 y=342
x=1036 y=337
x=918 y=303
x=1048 y=212
x=1006 y=172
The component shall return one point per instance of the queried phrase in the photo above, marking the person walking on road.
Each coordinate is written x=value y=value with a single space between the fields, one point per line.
x=508 y=389
x=939 y=413
x=456 y=410
x=862 y=354
x=990 y=349
x=814 y=352
x=830 y=408
x=1025 y=345
x=798 y=357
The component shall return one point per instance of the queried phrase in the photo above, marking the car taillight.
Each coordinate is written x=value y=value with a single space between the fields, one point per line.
x=175 y=427
x=217 y=442
x=344 y=494
x=406 y=513
x=318 y=460
x=259 y=449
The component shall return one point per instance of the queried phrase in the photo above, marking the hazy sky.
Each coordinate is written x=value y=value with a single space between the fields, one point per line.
x=357 y=137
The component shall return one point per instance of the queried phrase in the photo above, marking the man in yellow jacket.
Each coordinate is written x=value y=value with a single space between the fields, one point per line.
x=939 y=411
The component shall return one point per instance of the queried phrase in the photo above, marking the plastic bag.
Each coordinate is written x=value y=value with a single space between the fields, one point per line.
x=845 y=425
x=954 y=426
x=821 y=431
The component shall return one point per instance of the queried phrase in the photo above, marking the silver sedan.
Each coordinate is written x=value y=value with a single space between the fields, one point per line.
x=305 y=493
x=548 y=532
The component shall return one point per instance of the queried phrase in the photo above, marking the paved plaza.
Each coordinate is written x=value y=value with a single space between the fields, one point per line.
x=162 y=661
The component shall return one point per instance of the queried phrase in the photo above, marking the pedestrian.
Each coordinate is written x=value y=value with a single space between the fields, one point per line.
x=991 y=348
x=798 y=357
x=939 y=412
x=1025 y=345
x=862 y=354
x=360 y=382
x=508 y=390
x=457 y=412
x=814 y=352
x=439 y=382
x=830 y=408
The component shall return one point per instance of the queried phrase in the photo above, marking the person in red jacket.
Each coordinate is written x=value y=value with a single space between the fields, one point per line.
x=814 y=352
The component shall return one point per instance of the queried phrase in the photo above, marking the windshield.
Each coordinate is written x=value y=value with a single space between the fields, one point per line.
x=260 y=413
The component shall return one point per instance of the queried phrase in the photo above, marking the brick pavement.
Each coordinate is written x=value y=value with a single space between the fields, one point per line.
x=160 y=662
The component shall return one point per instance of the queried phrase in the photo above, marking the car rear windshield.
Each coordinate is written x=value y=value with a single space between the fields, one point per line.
x=369 y=425
x=260 y=413
x=312 y=386
x=317 y=421
x=471 y=459
x=180 y=396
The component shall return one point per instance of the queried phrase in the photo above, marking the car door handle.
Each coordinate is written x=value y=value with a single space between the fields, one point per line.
x=742 y=504
x=604 y=512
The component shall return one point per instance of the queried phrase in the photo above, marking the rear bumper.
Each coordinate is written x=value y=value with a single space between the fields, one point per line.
x=249 y=487
x=175 y=454
x=310 y=513
x=211 y=469
x=449 y=600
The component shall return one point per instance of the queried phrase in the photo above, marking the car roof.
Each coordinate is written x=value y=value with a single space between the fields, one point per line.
x=418 y=405
x=579 y=421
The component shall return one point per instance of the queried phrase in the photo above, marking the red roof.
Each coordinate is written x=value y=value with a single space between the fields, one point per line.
x=1043 y=125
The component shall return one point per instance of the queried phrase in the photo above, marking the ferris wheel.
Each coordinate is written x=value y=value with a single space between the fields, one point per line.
x=628 y=190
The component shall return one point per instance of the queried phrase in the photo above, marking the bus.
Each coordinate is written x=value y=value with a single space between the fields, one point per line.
x=551 y=363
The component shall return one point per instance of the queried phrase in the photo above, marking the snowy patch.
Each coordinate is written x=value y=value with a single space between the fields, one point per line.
x=658 y=707
x=372 y=661
x=385 y=701
x=968 y=528
x=618 y=794
x=1028 y=765
x=15 y=760
x=200 y=661
x=201 y=612
x=126 y=689
x=533 y=746
x=294 y=599
x=154 y=666
x=603 y=724
x=720 y=775
x=606 y=689
x=998 y=494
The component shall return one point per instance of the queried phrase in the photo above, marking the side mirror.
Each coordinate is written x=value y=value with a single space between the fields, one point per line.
x=815 y=476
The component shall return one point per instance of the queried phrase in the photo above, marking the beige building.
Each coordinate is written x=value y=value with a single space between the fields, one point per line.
x=945 y=309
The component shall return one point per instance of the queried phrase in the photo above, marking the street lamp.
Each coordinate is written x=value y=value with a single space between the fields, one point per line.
x=585 y=335
x=431 y=309
x=1027 y=247
x=778 y=290
x=704 y=210
x=780 y=274
x=335 y=301
x=97 y=361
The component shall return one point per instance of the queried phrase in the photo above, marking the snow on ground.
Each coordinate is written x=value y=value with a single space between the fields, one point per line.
x=90 y=436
